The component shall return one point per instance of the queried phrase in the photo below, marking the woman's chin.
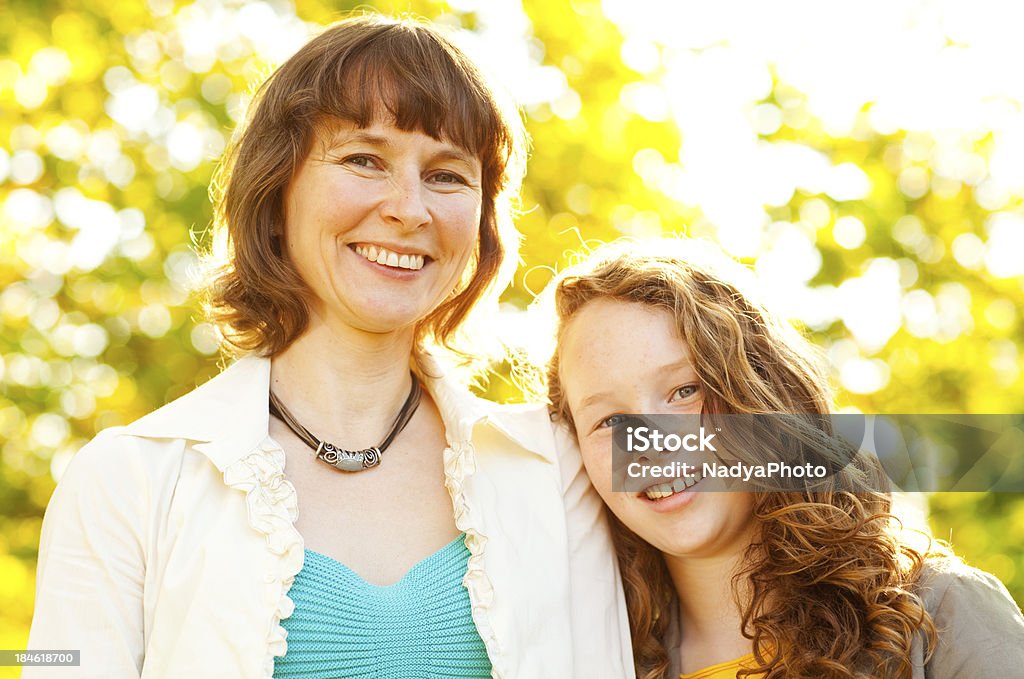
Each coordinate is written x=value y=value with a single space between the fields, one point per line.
x=365 y=316
x=392 y=324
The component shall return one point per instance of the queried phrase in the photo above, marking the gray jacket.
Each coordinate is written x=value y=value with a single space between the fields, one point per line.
x=980 y=627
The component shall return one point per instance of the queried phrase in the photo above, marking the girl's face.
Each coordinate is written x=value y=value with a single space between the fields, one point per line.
x=627 y=358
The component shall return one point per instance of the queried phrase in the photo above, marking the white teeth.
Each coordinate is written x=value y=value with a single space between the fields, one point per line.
x=663 y=490
x=659 y=491
x=657 y=494
x=388 y=258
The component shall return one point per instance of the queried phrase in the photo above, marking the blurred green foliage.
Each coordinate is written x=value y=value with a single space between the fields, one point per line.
x=112 y=115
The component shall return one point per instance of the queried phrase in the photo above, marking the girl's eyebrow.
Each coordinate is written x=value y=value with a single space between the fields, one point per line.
x=681 y=364
x=595 y=398
x=598 y=397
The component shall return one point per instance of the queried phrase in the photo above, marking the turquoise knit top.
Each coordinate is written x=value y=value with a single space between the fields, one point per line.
x=419 y=627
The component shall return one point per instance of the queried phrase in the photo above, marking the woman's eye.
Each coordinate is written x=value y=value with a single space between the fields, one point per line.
x=368 y=162
x=685 y=392
x=448 y=178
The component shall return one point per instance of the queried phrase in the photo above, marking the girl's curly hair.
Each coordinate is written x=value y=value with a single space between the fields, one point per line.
x=829 y=584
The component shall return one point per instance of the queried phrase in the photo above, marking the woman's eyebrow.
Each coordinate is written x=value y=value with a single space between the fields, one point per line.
x=446 y=152
x=455 y=153
x=359 y=137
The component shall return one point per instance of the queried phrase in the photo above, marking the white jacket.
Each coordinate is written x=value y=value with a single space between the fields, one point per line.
x=169 y=545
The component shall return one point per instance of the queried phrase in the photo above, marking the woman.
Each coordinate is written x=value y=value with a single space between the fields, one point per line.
x=796 y=584
x=332 y=504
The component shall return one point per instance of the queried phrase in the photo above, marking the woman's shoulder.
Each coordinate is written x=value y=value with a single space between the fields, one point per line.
x=115 y=456
x=213 y=412
x=116 y=468
x=533 y=422
x=223 y=405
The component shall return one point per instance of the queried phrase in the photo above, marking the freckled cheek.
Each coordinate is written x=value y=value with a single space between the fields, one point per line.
x=463 y=231
x=461 y=243
x=599 y=468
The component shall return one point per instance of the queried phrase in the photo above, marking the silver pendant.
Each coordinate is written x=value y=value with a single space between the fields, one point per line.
x=348 y=460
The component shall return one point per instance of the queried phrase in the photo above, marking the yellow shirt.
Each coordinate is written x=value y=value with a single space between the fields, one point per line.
x=724 y=670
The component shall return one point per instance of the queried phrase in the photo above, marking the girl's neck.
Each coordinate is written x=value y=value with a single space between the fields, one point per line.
x=349 y=386
x=710 y=619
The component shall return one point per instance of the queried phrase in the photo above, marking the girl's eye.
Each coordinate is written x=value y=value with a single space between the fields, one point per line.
x=611 y=421
x=684 y=392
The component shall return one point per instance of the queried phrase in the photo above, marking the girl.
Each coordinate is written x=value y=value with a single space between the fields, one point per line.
x=754 y=584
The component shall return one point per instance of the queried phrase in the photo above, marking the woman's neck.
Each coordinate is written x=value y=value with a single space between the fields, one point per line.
x=346 y=388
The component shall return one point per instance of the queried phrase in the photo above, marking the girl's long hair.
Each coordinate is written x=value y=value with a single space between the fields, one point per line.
x=828 y=584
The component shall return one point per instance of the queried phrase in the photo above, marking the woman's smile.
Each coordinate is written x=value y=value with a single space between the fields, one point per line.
x=381 y=224
x=390 y=258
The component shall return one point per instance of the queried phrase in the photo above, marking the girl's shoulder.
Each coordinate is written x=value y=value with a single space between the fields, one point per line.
x=980 y=630
x=947 y=582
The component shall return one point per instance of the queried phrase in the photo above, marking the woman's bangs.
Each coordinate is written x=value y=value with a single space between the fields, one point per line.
x=417 y=87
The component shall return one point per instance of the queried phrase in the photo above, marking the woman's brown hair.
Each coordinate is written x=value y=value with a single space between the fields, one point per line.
x=828 y=584
x=361 y=69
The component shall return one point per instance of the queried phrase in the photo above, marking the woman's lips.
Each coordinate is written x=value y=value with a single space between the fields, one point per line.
x=379 y=254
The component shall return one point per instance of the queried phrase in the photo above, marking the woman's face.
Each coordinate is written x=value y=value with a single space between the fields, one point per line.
x=380 y=223
x=627 y=358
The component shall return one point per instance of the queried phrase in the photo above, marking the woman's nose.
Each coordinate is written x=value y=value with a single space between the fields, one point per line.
x=405 y=205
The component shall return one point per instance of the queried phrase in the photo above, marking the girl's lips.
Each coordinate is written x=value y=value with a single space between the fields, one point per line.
x=673 y=502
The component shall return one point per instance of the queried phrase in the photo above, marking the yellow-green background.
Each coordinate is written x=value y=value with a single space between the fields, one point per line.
x=84 y=347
